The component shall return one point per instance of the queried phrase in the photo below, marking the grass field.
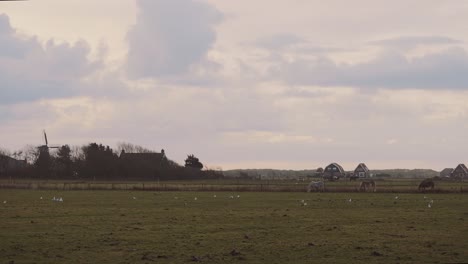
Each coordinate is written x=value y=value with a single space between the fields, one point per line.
x=173 y=227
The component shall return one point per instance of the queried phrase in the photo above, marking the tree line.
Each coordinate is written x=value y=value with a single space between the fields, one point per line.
x=101 y=163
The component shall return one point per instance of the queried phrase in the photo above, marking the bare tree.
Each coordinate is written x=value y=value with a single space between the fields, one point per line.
x=131 y=148
x=5 y=152
x=30 y=153
x=76 y=153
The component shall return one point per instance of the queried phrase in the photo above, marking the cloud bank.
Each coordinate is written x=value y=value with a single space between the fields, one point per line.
x=169 y=37
x=30 y=70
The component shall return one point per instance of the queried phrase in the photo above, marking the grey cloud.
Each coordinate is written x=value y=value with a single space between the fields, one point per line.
x=280 y=41
x=294 y=42
x=444 y=70
x=169 y=37
x=412 y=41
x=29 y=71
x=11 y=46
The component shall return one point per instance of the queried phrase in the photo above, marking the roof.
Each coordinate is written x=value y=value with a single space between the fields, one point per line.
x=363 y=166
x=142 y=156
x=335 y=165
x=142 y=160
x=7 y=162
x=446 y=172
x=462 y=167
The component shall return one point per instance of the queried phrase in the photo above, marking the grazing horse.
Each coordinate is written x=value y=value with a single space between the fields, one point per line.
x=317 y=186
x=367 y=185
x=427 y=183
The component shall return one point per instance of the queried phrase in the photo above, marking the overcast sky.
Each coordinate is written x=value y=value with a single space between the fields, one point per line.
x=293 y=84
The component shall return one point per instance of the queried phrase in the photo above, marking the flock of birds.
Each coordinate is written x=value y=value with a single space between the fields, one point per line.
x=302 y=202
x=429 y=205
x=214 y=196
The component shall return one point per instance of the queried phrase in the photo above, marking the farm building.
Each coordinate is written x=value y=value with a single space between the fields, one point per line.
x=9 y=164
x=460 y=172
x=142 y=165
x=446 y=172
x=333 y=172
x=362 y=171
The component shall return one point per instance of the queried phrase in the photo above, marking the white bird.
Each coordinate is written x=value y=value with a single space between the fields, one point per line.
x=396 y=197
x=305 y=204
x=432 y=201
x=214 y=196
x=232 y=197
x=429 y=205
x=134 y=198
x=425 y=197
x=4 y=202
x=60 y=199
x=302 y=201
x=238 y=196
x=349 y=200
x=195 y=198
x=41 y=197
x=53 y=199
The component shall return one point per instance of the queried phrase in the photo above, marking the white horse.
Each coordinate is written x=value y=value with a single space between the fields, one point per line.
x=317 y=186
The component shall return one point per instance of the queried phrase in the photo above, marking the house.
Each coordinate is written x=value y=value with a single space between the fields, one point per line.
x=333 y=172
x=9 y=164
x=445 y=173
x=142 y=165
x=361 y=171
x=460 y=172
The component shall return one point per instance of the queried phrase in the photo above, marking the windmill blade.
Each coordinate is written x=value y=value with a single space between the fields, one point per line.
x=45 y=137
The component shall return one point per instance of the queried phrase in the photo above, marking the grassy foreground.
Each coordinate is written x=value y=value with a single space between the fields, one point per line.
x=173 y=227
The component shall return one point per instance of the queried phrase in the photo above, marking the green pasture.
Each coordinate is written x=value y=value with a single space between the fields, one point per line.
x=256 y=227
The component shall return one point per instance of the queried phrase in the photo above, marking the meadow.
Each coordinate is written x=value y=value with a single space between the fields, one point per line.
x=123 y=226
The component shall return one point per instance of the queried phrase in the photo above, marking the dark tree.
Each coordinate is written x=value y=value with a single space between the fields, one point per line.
x=100 y=162
x=193 y=162
x=63 y=162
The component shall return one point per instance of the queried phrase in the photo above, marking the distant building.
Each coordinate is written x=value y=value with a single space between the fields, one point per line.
x=9 y=164
x=361 y=171
x=445 y=173
x=142 y=165
x=460 y=172
x=333 y=172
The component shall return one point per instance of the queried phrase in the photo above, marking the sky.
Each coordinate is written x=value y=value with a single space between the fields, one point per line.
x=293 y=84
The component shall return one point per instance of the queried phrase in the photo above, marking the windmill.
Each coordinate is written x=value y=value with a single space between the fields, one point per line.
x=46 y=147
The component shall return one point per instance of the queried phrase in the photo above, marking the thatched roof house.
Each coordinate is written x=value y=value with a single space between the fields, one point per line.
x=447 y=172
x=9 y=164
x=460 y=172
x=142 y=165
x=333 y=172
x=361 y=171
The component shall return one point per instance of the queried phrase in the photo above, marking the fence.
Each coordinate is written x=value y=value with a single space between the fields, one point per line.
x=405 y=187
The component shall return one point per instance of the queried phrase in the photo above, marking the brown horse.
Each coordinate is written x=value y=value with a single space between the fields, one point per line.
x=367 y=185
x=427 y=183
